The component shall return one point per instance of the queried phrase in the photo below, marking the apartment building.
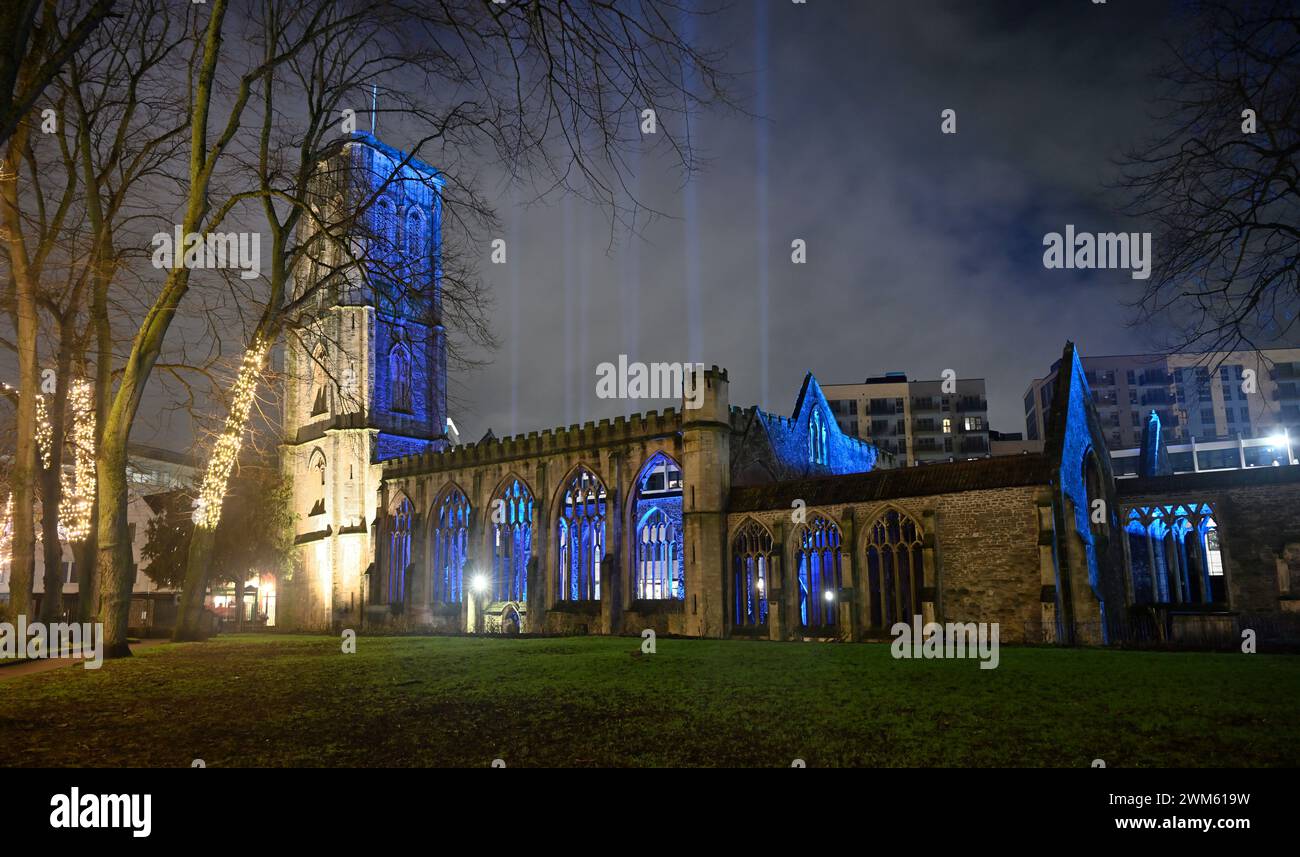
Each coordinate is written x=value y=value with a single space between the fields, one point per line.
x=917 y=422
x=1211 y=396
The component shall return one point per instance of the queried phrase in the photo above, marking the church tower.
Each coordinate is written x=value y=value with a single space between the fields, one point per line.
x=365 y=366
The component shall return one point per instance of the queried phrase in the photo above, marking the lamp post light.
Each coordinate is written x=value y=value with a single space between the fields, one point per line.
x=1283 y=441
x=478 y=585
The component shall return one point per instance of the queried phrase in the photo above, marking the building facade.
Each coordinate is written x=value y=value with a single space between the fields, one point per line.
x=149 y=472
x=365 y=371
x=724 y=521
x=1211 y=396
x=915 y=422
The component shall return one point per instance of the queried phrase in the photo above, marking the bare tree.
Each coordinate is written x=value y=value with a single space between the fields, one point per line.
x=1221 y=182
x=31 y=55
x=550 y=92
x=556 y=95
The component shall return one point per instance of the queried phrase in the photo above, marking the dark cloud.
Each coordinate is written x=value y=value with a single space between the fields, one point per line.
x=924 y=250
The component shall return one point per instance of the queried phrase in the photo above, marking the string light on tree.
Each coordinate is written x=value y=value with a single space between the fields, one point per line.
x=7 y=532
x=44 y=431
x=79 y=486
x=207 y=511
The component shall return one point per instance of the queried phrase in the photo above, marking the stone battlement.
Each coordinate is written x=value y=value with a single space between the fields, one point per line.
x=547 y=442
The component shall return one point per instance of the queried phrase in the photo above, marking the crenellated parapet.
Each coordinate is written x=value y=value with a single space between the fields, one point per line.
x=540 y=444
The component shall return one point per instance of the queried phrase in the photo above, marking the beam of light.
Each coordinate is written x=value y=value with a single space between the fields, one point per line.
x=630 y=291
x=584 y=307
x=760 y=188
x=690 y=208
x=516 y=215
x=570 y=375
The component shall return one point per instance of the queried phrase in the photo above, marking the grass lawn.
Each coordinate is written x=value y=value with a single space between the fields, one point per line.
x=288 y=700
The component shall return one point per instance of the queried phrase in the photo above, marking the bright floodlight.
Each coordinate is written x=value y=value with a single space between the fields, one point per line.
x=479 y=583
x=759 y=584
x=830 y=596
x=1276 y=440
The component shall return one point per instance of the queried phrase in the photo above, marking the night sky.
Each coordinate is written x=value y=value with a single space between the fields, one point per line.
x=924 y=250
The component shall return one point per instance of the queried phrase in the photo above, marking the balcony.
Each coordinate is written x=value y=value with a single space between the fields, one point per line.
x=926 y=427
x=976 y=405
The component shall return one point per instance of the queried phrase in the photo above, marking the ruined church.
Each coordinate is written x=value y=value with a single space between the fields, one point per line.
x=720 y=521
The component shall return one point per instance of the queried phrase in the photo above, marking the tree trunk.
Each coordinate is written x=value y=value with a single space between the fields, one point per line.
x=114 y=568
x=52 y=601
x=189 y=625
x=24 y=476
x=52 y=487
x=116 y=573
x=239 y=602
x=83 y=557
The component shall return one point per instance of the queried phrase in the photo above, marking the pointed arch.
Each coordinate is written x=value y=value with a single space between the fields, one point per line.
x=400 y=517
x=752 y=548
x=449 y=525
x=510 y=538
x=320 y=386
x=317 y=466
x=413 y=244
x=385 y=227
x=399 y=376
x=893 y=544
x=819 y=563
x=816 y=436
x=658 y=562
x=582 y=504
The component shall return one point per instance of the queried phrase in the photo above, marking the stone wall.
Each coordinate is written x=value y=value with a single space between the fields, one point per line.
x=984 y=563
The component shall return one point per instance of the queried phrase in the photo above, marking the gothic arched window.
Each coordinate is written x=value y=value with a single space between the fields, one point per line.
x=895 y=569
x=751 y=563
x=450 y=546
x=659 y=569
x=658 y=557
x=414 y=241
x=399 y=377
x=385 y=227
x=818 y=561
x=399 y=551
x=512 y=541
x=316 y=474
x=1174 y=554
x=322 y=389
x=581 y=538
x=1092 y=484
x=817 y=438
